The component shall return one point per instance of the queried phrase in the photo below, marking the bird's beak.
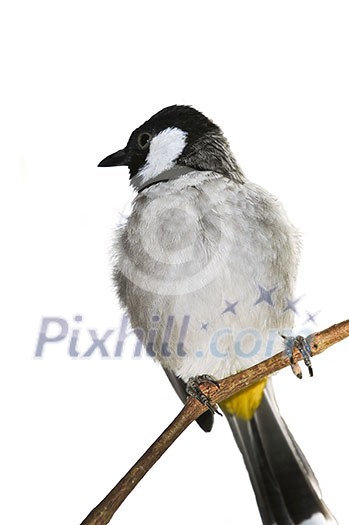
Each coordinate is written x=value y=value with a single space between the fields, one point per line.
x=115 y=159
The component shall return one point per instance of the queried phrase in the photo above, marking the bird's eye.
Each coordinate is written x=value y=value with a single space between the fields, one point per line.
x=144 y=139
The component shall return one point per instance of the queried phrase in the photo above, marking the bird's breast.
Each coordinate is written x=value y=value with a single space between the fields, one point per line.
x=192 y=265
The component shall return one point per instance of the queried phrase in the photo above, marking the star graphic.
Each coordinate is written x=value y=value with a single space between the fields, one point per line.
x=311 y=317
x=265 y=295
x=204 y=326
x=291 y=305
x=230 y=307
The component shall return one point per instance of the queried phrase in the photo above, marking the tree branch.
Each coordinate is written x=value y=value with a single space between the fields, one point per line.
x=102 y=514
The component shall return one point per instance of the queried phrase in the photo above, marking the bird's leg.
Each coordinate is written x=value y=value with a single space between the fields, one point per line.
x=193 y=389
x=303 y=345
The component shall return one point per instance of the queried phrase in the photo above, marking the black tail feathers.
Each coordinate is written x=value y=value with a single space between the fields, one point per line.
x=285 y=487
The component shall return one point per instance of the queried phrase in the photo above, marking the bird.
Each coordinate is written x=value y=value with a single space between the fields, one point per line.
x=205 y=247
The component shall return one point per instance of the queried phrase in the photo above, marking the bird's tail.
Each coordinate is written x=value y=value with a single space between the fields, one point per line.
x=285 y=486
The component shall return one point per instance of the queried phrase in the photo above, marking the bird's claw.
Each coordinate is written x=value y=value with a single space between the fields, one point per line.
x=194 y=390
x=303 y=345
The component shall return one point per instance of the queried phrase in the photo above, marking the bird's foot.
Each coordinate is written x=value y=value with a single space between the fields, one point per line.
x=303 y=345
x=194 y=390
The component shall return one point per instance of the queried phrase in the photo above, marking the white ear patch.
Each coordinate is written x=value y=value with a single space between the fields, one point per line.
x=164 y=150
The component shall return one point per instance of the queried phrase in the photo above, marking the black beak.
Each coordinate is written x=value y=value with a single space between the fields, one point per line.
x=115 y=159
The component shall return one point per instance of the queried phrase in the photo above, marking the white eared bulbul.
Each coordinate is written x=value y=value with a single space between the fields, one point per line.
x=205 y=266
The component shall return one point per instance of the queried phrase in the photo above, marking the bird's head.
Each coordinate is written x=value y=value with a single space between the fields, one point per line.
x=175 y=137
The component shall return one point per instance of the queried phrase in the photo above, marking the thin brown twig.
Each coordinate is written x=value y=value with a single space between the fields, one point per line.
x=102 y=514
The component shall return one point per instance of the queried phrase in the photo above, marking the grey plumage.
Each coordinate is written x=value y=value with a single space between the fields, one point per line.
x=211 y=152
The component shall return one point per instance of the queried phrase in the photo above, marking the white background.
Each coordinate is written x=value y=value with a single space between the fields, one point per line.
x=77 y=78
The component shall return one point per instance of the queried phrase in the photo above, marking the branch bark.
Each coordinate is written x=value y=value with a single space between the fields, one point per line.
x=320 y=341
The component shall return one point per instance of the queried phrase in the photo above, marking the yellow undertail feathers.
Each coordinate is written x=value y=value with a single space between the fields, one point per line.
x=245 y=403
